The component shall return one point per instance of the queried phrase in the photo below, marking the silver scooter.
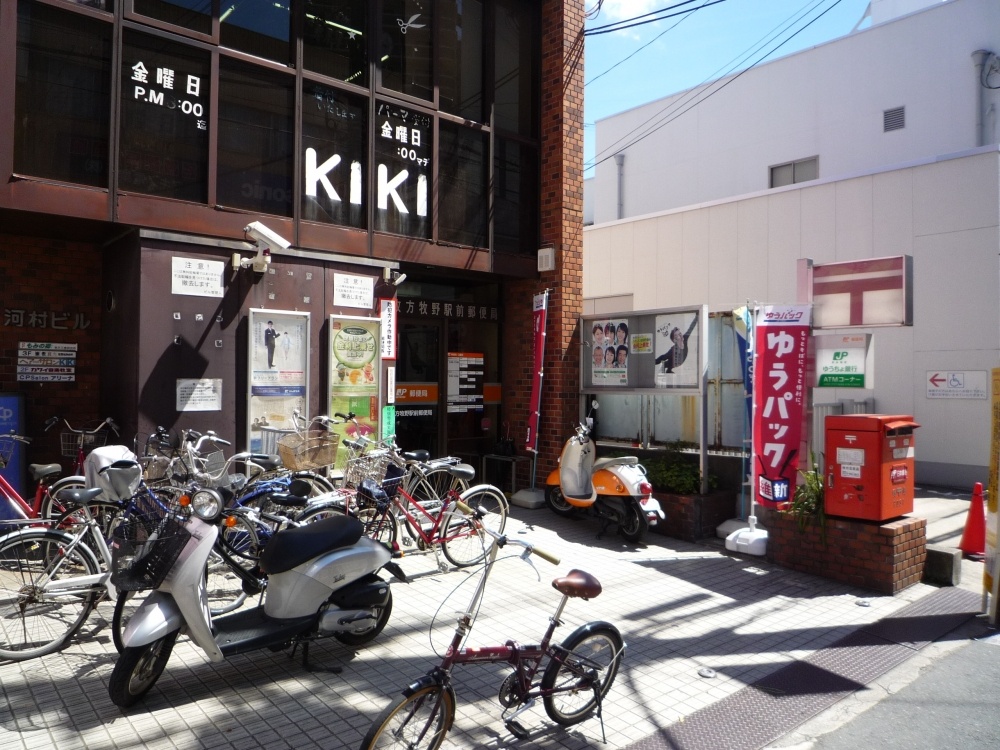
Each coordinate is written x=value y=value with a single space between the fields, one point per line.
x=319 y=580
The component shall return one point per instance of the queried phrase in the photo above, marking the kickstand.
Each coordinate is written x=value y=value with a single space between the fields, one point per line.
x=305 y=660
x=600 y=710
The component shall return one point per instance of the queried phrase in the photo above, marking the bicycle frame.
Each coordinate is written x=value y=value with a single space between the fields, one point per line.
x=434 y=536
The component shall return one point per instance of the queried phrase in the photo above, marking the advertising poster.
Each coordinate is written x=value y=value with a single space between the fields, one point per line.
x=354 y=375
x=279 y=372
x=676 y=350
x=366 y=412
x=779 y=392
x=609 y=352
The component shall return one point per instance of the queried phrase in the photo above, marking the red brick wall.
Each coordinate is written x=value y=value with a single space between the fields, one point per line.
x=886 y=557
x=51 y=293
x=562 y=228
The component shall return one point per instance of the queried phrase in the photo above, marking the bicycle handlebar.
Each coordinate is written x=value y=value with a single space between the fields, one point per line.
x=502 y=539
x=108 y=422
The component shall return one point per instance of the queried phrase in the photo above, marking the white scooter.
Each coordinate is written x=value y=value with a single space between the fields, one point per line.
x=321 y=580
x=615 y=490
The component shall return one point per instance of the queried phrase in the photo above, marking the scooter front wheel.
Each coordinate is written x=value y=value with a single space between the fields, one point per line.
x=138 y=669
x=557 y=503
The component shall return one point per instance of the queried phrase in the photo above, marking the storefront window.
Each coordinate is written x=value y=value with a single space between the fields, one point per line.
x=405 y=50
x=256 y=139
x=334 y=134
x=335 y=39
x=404 y=143
x=516 y=67
x=460 y=59
x=515 y=228
x=62 y=99
x=163 y=147
x=193 y=15
x=257 y=27
x=463 y=194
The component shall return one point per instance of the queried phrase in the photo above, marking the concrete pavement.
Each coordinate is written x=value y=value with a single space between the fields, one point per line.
x=702 y=626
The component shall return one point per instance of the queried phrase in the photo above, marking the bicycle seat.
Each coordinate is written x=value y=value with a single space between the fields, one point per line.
x=41 y=471
x=462 y=471
x=577 y=583
x=79 y=497
x=288 y=500
x=418 y=455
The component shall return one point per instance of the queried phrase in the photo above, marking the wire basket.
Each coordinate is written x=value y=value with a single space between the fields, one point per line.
x=143 y=550
x=6 y=450
x=394 y=476
x=72 y=443
x=312 y=449
x=371 y=465
x=155 y=468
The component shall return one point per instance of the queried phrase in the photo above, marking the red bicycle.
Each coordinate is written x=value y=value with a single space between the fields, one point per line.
x=577 y=674
x=45 y=503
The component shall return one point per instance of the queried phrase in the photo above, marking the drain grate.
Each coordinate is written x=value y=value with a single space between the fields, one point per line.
x=774 y=705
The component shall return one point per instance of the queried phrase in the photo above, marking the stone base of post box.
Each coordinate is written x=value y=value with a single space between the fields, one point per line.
x=886 y=556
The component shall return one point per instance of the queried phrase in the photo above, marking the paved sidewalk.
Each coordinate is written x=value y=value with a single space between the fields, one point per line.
x=700 y=624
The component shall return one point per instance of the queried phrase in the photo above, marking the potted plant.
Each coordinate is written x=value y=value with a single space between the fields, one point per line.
x=807 y=500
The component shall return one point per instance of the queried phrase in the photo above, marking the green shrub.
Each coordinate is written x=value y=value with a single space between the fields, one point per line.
x=674 y=471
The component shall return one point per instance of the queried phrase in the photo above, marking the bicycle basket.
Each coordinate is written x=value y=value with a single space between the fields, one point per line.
x=143 y=550
x=394 y=475
x=6 y=450
x=72 y=443
x=371 y=465
x=312 y=449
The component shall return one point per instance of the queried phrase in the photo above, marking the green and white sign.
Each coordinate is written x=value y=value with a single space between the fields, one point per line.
x=841 y=360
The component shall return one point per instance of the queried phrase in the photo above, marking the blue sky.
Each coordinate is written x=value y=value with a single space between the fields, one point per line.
x=622 y=72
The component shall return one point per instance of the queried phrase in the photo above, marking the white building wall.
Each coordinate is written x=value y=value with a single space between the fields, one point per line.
x=945 y=213
x=827 y=102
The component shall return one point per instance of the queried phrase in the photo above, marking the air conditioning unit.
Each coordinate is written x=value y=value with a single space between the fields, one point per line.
x=547 y=259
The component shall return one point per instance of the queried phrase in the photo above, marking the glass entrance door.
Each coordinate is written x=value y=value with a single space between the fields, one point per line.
x=419 y=422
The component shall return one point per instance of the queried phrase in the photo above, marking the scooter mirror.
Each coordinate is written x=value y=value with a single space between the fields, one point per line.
x=594 y=404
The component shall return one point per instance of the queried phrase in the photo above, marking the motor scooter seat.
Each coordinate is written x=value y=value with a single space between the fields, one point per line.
x=291 y=547
x=607 y=463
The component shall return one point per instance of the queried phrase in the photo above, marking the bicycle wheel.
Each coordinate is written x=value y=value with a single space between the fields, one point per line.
x=463 y=543
x=417 y=722
x=138 y=669
x=584 y=669
x=34 y=621
x=51 y=506
x=223 y=586
x=242 y=538
x=105 y=514
x=433 y=485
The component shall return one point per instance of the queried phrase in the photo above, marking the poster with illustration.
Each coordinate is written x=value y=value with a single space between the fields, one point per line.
x=278 y=375
x=609 y=352
x=354 y=355
x=366 y=415
x=676 y=349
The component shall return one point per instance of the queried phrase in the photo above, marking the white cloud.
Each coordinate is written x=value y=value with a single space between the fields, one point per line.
x=619 y=10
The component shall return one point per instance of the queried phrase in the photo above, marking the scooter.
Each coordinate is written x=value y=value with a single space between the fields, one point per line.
x=318 y=580
x=615 y=490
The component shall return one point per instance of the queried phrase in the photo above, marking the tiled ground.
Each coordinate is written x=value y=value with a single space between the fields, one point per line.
x=683 y=609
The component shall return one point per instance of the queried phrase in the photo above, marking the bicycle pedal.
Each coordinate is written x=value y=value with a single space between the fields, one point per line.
x=517 y=729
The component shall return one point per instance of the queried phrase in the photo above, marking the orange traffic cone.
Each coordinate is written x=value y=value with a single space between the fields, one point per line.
x=974 y=537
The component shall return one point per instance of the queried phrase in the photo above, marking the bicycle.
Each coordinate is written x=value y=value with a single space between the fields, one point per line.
x=433 y=525
x=48 y=484
x=578 y=672
x=52 y=577
x=77 y=442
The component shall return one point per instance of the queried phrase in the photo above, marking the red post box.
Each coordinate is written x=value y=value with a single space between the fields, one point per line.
x=869 y=466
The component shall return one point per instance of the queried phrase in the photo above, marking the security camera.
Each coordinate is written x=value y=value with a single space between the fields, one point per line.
x=264 y=236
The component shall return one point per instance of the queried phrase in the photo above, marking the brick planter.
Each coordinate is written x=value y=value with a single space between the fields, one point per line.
x=886 y=556
x=694 y=517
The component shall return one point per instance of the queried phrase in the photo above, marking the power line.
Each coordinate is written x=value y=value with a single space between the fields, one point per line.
x=662 y=124
x=617 y=25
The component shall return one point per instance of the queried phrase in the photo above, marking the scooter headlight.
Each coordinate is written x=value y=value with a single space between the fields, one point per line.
x=206 y=504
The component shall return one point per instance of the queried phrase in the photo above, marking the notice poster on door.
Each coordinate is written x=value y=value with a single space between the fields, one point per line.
x=465 y=381
x=278 y=375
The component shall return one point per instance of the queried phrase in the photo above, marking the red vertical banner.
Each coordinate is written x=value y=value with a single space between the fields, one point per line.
x=540 y=311
x=779 y=397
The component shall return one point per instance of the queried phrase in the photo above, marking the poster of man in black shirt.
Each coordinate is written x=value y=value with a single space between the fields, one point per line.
x=270 y=335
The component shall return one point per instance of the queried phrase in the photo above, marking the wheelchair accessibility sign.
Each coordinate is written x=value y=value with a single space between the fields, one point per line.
x=967 y=384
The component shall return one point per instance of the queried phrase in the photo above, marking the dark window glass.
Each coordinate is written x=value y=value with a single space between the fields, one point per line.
x=462 y=185
x=334 y=134
x=163 y=147
x=515 y=228
x=405 y=50
x=258 y=27
x=62 y=99
x=194 y=15
x=403 y=148
x=516 y=67
x=460 y=58
x=255 y=139
x=335 y=39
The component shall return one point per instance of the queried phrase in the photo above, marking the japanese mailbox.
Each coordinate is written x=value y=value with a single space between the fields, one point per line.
x=869 y=465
